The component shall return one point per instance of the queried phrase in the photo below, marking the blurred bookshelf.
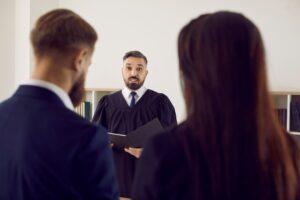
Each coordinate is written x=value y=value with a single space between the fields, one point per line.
x=287 y=108
x=92 y=96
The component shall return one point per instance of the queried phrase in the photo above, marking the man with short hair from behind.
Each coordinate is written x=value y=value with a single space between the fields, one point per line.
x=47 y=151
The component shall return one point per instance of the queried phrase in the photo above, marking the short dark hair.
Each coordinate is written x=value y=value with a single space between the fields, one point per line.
x=61 y=31
x=135 y=54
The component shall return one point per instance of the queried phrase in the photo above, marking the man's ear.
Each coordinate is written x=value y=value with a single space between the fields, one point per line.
x=146 y=72
x=80 y=55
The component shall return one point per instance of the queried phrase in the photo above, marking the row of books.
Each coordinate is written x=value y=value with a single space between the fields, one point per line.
x=85 y=110
x=294 y=116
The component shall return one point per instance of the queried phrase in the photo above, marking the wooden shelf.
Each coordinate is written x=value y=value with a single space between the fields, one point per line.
x=282 y=102
x=92 y=97
x=285 y=93
x=294 y=133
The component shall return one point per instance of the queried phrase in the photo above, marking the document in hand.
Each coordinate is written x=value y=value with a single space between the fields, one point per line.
x=138 y=137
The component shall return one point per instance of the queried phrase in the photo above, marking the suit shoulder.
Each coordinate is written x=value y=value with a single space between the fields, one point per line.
x=5 y=103
x=70 y=120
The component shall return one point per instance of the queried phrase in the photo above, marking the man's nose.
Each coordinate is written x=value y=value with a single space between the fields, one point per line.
x=133 y=72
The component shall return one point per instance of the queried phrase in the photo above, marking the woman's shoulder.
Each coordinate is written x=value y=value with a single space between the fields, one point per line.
x=168 y=142
x=163 y=169
x=170 y=135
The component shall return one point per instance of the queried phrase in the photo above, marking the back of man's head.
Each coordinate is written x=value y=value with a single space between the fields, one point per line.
x=61 y=32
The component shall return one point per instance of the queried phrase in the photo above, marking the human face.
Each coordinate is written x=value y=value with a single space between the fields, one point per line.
x=134 y=72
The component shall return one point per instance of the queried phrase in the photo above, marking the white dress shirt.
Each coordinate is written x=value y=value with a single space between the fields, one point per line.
x=139 y=93
x=54 y=88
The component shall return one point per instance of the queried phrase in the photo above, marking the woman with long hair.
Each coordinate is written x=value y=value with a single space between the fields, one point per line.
x=231 y=145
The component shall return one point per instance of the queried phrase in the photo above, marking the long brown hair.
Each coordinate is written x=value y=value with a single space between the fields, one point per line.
x=229 y=111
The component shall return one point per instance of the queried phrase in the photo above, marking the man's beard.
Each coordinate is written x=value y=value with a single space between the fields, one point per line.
x=77 y=93
x=134 y=86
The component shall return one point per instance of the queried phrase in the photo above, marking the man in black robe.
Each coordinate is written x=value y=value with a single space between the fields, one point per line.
x=130 y=108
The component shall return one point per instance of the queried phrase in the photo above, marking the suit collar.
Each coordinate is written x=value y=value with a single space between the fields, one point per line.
x=38 y=93
x=54 y=88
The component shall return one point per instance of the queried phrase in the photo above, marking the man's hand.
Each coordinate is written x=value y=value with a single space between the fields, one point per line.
x=136 y=152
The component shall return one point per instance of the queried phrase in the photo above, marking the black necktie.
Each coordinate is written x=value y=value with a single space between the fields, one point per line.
x=132 y=102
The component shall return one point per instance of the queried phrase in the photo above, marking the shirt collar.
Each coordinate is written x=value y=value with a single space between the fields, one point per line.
x=64 y=97
x=139 y=93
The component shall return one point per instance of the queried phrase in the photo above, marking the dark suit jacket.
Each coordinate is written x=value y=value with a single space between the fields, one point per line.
x=49 y=152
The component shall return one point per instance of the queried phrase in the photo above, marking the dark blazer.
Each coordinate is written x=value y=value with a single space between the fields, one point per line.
x=49 y=152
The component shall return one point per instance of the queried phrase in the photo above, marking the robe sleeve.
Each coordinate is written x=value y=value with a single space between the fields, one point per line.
x=100 y=112
x=166 y=112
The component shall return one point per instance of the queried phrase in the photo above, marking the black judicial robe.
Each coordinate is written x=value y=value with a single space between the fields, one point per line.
x=116 y=116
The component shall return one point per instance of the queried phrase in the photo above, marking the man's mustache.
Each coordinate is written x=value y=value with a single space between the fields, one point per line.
x=133 y=77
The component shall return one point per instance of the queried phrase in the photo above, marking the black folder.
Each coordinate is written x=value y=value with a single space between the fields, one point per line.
x=138 y=137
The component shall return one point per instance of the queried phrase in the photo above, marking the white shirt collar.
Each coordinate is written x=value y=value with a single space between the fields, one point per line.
x=54 y=88
x=139 y=93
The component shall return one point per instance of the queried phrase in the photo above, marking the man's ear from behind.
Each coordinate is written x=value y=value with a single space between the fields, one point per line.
x=80 y=59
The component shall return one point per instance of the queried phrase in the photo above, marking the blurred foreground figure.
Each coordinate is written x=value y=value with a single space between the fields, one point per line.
x=46 y=150
x=231 y=146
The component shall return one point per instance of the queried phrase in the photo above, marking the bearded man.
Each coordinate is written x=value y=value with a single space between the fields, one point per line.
x=47 y=151
x=130 y=108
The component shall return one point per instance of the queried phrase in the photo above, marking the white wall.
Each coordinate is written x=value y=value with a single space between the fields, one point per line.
x=7 y=19
x=22 y=44
x=16 y=20
x=153 y=26
x=38 y=8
